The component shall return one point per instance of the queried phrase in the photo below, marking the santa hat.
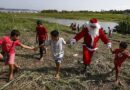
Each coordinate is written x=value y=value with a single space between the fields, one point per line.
x=94 y=22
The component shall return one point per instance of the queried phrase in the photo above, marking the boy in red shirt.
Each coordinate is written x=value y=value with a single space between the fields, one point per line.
x=121 y=54
x=8 y=44
x=41 y=36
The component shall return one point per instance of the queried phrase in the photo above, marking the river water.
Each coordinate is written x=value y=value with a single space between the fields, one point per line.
x=67 y=22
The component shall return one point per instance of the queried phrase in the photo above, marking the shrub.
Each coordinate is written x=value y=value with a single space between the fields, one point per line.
x=123 y=27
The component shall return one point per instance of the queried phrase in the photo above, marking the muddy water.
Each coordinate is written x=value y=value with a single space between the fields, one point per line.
x=67 y=22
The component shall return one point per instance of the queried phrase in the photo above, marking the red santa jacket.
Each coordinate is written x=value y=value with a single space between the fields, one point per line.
x=88 y=39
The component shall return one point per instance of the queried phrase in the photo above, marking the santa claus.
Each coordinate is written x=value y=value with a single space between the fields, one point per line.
x=91 y=33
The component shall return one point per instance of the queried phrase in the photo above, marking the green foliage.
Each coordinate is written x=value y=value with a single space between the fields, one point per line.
x=123 y=27
x=23 y=22
x=86 y=11
x=72 y=15
x=49 y=11
x=84 y=16
x=9 y=22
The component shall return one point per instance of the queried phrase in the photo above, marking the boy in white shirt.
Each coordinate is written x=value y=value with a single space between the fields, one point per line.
x=57 y=49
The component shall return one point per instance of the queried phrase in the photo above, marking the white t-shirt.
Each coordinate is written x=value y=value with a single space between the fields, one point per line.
x=56 y=47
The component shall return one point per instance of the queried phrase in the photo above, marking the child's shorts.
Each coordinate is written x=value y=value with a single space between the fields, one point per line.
x=58 y=58
x=10 y=59
x=117 y=65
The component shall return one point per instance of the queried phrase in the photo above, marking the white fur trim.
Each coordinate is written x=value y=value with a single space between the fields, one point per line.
x=86 y=24
x=95 y=24
x=92 y=49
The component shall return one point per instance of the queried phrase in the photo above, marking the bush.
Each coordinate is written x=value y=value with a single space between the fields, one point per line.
x=123 y=27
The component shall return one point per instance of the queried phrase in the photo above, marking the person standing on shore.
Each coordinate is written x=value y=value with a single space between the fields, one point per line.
x=110 y=32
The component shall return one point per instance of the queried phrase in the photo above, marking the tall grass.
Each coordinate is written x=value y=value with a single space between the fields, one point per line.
x=86 y=16
x=82 y=16
x=19 y=21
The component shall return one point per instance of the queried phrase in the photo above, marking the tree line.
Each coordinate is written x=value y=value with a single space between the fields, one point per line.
x=86 y=11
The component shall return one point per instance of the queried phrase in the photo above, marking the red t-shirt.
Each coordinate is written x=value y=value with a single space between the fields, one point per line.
x=41 y=32
x=8 y=45
x=120 y=57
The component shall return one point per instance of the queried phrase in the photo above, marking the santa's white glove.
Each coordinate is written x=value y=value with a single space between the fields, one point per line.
x=109 y=45
x=72 y=41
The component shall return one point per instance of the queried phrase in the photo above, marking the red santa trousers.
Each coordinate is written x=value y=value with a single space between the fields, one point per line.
x=87 y=55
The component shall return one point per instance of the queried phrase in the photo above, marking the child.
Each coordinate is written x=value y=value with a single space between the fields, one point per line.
x=56 y=44
x=8 y=44
x=41 y=36
x=78 y=28
x=73 y=26
x=121 y=54
x=110 y=32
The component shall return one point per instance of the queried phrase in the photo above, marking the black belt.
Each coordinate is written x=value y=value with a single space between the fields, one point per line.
x=89 y=46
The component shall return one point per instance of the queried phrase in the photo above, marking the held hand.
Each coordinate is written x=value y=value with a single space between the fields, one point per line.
x=109 y=45
x=35 y=49
x=32 y=48
x=72 y=41
x=68 y=42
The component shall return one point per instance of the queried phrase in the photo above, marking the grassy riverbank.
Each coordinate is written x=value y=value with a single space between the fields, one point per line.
x=78 y=16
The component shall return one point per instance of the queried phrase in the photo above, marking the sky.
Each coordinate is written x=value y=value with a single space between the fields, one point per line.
x=92 y=5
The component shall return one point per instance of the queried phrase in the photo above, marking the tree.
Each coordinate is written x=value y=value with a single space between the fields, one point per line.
x=123 y=27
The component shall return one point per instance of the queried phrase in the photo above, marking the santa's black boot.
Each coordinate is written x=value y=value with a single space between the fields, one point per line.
x=87 y=72
x=84 y=69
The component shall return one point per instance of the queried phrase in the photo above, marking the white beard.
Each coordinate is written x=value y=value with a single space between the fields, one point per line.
x=93 y=32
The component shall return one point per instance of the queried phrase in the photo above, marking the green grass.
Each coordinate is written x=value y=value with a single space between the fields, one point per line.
x=79 y=16
x=11 y=21
x=121 y=37
x=86 y=16
x=25 y=24
x=8 y=22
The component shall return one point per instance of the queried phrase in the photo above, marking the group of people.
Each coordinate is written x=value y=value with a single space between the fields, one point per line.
x=75 y=27
x=91 y=34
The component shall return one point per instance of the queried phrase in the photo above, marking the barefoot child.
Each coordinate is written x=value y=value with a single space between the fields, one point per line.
x=41 y=36
x=121 y=54
x=56 y=44
x=8 y=44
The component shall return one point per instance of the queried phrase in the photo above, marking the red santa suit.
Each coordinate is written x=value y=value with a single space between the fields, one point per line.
x=91 y=37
